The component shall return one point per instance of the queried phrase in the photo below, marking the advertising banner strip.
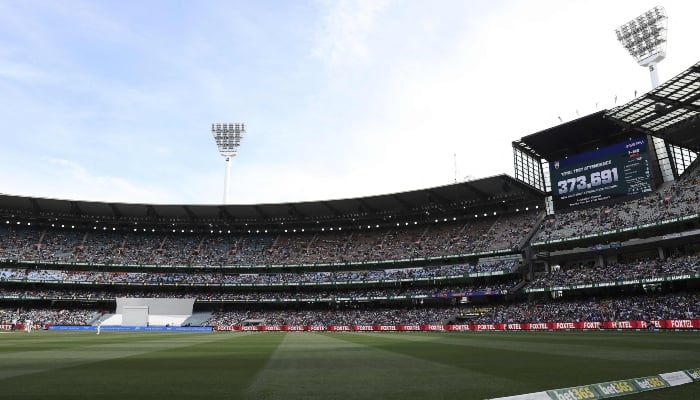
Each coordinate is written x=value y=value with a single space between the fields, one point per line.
x=574 y=393
x=676 y=378
x=650 y=383
x=616 y=388
x=105 y=328
x=530 y=326
x=694 y=374
x=612 y=389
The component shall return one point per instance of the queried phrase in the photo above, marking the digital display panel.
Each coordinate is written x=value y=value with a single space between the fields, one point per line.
x=622 y=169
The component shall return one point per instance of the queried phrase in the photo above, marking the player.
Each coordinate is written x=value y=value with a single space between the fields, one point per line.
x=99 y=327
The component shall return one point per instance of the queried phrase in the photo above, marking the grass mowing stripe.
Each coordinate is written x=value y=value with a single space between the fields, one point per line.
x=602 y=346
x=323 y=366
x=69 y=350
x=531 y=368
x=216 y=364
x=305 y=365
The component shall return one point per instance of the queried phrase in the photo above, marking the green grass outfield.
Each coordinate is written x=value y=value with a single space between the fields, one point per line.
x=302 y=365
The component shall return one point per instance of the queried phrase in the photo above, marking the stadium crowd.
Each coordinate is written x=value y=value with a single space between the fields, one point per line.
x=99 y=249
x=587 y=274
x=211 y=295
x=639 y=307
x=47 y=316
x=145 y=248
x=263 y=279
x=676 y=199
x=412 y=316
x=566 y=275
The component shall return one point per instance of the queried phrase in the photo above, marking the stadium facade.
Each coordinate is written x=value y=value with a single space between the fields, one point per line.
x=586 y=234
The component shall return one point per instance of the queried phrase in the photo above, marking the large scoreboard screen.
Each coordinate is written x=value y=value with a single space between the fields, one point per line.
x=622 y=169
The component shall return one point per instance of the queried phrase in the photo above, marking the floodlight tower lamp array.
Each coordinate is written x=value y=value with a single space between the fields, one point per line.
x=228 y=138
x=645 y=39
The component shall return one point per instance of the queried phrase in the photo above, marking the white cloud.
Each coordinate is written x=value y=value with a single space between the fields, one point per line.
x=21 y=72
x=66 y=179
x=346 y=27
x=378 y=98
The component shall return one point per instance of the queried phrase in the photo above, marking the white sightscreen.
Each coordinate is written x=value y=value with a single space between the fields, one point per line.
x=135 y=315
x=139 y=311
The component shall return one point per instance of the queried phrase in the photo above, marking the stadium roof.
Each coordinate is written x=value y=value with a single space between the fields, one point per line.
x=573 y=137
x=500 y=193
x=669 y=111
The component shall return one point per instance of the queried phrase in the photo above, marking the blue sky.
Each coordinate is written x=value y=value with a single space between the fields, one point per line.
x=113 y=100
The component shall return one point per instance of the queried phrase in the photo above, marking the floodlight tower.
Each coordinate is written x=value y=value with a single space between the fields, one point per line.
x=228 y=139
x=645 y=39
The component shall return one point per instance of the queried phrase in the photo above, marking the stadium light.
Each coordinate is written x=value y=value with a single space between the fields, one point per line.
x=228 y=139
x=645 y=39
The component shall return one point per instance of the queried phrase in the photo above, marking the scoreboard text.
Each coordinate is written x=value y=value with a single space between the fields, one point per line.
x=622 y=169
